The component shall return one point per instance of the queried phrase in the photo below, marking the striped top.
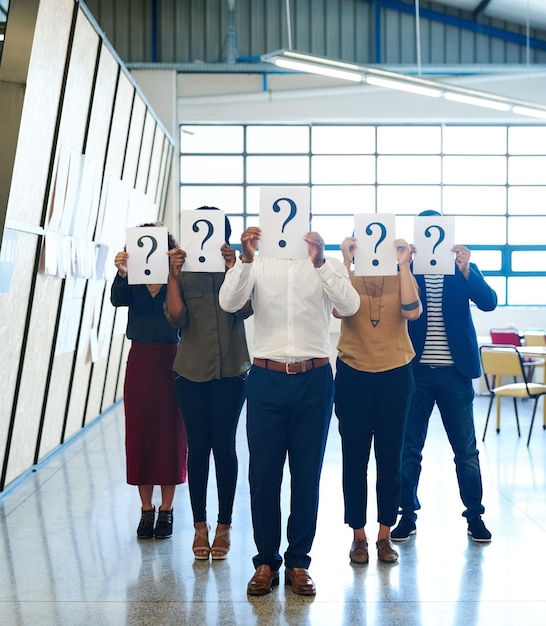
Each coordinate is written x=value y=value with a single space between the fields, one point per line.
x=436 y=350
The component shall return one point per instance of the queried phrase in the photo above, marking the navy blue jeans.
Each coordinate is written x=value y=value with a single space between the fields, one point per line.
x=454 y=395
x=287 y=415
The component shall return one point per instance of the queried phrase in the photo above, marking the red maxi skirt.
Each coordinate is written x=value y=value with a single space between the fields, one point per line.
x=155 y=436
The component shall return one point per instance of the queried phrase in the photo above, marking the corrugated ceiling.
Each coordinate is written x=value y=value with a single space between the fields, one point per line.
x=532 y=12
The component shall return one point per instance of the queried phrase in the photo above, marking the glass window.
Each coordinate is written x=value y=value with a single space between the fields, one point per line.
x=211 y=169
x=480 y=230
x=529 y=200
x=471 y=200
x=532 y=261
x=491 y=178
x=407 y=170
x=408 y=200
x=229 y=199
x=487 y=260
x=526 y=230
x=409 y=139
x=343 y=139
x=343 y=169
x=526 y=139
x=286 y=170
x=211 y=139
x=498 y=283
x=474 y=140
x=342 y=199
x=528 y=170
x=473 y=170
x=333 y=229
x=530 y=290
x=277 y=139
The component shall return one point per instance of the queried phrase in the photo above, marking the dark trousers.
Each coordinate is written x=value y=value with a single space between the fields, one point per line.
x=372 y=406
x=454 y=395
x=288 y=415
x=211 y=413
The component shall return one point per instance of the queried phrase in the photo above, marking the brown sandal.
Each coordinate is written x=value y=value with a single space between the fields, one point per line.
x=201 y=546
x=221 y=543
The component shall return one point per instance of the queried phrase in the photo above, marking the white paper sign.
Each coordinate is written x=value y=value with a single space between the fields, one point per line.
x=434 y=236
x=148 y=262
x=203 y=233
x=375 y=254
x=284 y=220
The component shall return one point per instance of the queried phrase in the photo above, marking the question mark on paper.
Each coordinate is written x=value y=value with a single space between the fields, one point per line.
x=195 y=229
x=441 y=237
x=382 y=236
x=140 y=244
x=293 y=211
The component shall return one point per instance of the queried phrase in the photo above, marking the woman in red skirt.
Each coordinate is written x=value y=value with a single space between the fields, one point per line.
x=155 y=436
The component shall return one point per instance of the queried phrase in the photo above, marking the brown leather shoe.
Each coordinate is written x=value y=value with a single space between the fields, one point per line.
x=263 y=581
x=298 y=578
x=359 y=552
x=386 y=551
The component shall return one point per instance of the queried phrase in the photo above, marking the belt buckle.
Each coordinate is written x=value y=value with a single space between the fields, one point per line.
x=287 y=368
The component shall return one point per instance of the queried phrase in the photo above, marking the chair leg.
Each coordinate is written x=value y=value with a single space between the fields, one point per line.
x=488 y=413
x=532 y=420
x=517 y=416
x=498 y=413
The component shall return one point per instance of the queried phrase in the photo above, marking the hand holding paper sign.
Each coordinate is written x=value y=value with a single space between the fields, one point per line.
x=462 y=259
x=121 y=263
x=315 y=245
x=249 y=242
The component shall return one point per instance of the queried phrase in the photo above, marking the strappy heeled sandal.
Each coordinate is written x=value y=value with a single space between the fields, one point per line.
x=221 y=544
x=201 y=546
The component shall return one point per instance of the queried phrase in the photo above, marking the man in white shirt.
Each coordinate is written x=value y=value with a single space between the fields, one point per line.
x=289 y=394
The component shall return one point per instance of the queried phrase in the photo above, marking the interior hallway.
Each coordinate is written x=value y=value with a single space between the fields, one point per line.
x=69 y=553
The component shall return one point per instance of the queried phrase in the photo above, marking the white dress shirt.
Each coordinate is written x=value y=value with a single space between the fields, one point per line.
x=292 y=302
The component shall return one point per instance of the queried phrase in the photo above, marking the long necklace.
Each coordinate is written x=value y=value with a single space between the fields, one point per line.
x=374 y=319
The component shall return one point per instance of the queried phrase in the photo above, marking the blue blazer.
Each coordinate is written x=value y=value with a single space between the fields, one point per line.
x=460 y=331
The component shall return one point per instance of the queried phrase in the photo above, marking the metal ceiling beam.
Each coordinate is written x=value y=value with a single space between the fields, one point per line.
x=461 y=23
x=481 y=8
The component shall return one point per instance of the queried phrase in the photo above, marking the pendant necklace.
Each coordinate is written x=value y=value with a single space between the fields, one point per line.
x=374 y=319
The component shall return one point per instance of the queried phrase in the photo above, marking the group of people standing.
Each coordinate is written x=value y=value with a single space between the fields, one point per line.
x=387 y=380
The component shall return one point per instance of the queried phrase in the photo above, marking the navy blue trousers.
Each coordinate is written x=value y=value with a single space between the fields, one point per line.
x=372 y=406
x=288 y=415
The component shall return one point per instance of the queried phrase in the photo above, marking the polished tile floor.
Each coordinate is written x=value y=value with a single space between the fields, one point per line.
x=69 y=556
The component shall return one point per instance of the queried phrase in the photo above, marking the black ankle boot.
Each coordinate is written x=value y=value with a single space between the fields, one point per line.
x=145 y=528
x=164 y=526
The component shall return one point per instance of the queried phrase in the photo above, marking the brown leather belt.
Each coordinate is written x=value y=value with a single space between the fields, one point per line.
x=291 y=368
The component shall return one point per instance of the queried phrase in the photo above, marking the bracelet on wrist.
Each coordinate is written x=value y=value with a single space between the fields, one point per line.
x=411 y=306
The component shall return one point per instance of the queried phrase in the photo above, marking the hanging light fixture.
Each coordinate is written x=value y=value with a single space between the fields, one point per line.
x=309 y=63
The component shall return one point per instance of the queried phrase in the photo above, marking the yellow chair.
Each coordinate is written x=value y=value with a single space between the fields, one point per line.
x=534 y=337
x=498 y=361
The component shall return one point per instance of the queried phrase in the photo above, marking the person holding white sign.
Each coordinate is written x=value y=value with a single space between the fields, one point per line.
x=210 y=370
x=374 y=386
x=447 y=360
x=155 y=442
x=289 y=394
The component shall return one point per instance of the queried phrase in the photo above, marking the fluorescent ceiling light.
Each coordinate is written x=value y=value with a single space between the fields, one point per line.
x=323 y=70
x=531 y=112
x=404 y=86
x=309 y=63
x=479 y=102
